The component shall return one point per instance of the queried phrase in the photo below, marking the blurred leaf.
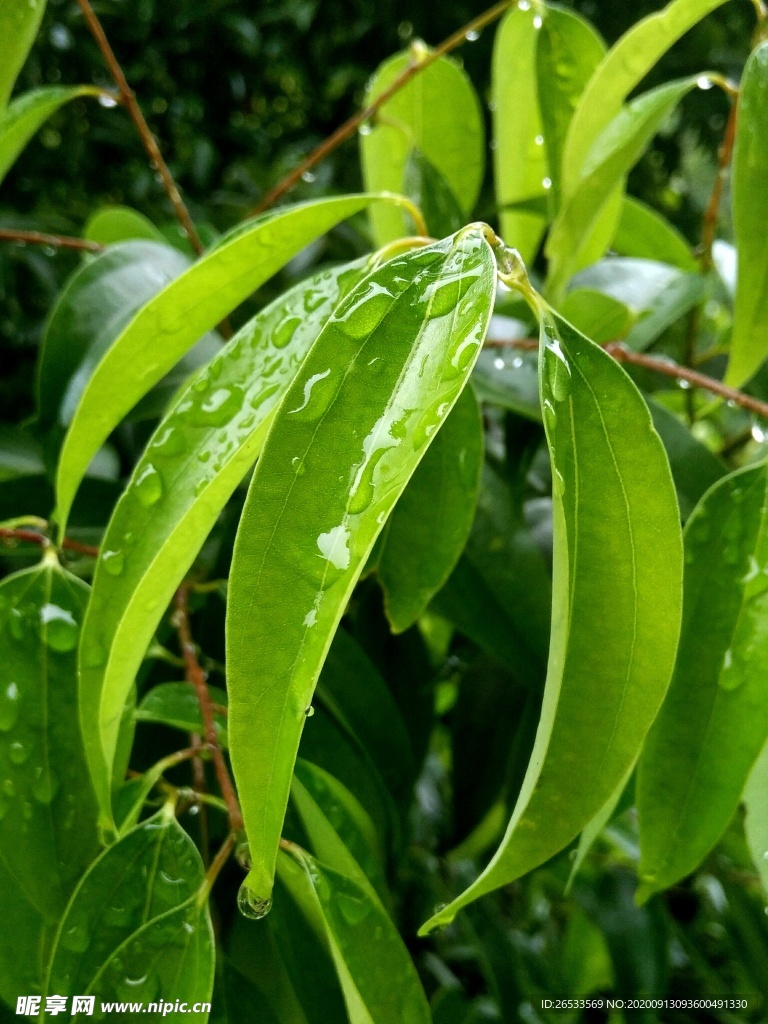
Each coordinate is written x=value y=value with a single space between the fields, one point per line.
x=679 y=297
x=20 y=454
x=592 y=831
x=19 y=22
x=438 y=114
x=644 y=233
x=509 y=379
x=694 y=467
x=755 y=799
x=714 y=721
x=601 y=317
x=427 y=188
x=113 y=224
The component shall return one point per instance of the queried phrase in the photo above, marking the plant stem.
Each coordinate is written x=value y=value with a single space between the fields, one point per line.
x=55 y=241
x=625 y=355
x=217 y=864
x=350 y=126
x=128 y=99
x=33 y=537
x=196 y=676
x=712 y=212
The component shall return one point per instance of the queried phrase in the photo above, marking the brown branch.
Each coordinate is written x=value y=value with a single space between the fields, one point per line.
x=56 y=241
x=350 y=126
x=128 y=100
x=196 y=676
x=9 y=535
x=712 y=212
x=622 y=354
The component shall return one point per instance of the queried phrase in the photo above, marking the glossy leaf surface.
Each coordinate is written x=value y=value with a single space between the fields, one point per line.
x=438 y=114
x=425 y=534
x=519 y=156
x=749 y=343
x=617 y=577
x=367 y=401
x=24 y=116
x=47 y=824
x=194 y=461
x=169 y=324
x=135 y=928
x=377 y=976
x=714 y=721
x=19 y=22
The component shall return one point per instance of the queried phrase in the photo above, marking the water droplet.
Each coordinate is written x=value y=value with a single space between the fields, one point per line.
x=107 y=101
x=334 y=546
x=308 y=176
x=309 y=711
x=309 y=386
x=539 y=140
x=310 y=618
x=252 y=906
x=538 y=21
x=9 y=707
x=363 y=310
x=499 y=363
x=19 y=751
x=472 y=36
x=285 y=331
x=546 y=183
x=365 y=129
x=75 y=938
x=148 y=486
x=352 y=910
x=217 y=408
x=169 y=442
x=113 y=562
x=704 y=82
x=60 y=629
x=44 y=785
x=732 y=672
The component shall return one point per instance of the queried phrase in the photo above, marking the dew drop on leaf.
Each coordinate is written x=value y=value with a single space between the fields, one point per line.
x=113 y=562
x=252 y=906
x=9 y=707
x=148 y=486
x=60 y=630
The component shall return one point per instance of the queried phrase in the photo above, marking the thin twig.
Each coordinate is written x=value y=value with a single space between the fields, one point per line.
x=128 y=99
x=351 y=125
x=622 y=354
x=712 y=212
x=54 y=241
x=196 y=676
x=33 y=537
x=200 y=786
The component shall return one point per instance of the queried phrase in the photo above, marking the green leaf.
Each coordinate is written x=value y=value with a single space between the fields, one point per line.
x=437 y=113
x=47 y=820
x=113 y=224
x=198 y=455
x=591 y=833
x=714 y=721
x=24 y=116
x=622 y=69
x=427 y=188
x=137 y=927
x=19 y=22
x=749 y=343
x=645 y=233
x=367 y=402
x=425 y=534
x=20 y=454
x=569 y=50
x=176 y=705
x=601 y=317
x=617 y=560
x=377 y=976
x=519 y=155
x=170 y=323
x=679 y=297
x=638 y=283
x=755 y=798
x=613 y=154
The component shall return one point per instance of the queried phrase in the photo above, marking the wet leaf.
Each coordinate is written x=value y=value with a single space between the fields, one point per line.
x=427 y=188
x=367 y=402
x=519 y=156
x=170 y=323
x=644 y=233
x=193 y=462
x=176 y=705
x=438 y=114
x=672 y=303
x=617 y=561
x=714 y=721
x=749 y=343
x=137 y=927
x=694 y=467
x=19 y=22
x=425 y=534
x=755 y=798
x=26 y=114
x=377 y=976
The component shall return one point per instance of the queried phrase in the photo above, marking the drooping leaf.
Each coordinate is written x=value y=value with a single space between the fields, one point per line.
x=714 y=721
x=519 y=155
x=19 y=22
x=113 y=224
x=198 y=455
x=592 y=831
x=614 y=152
x=749 y=343
x=569 y=50
x=425 y=534
x=24 y=116
x=176 y=705
x=437 y=113
x=755 y=799
x=367 y=402
x=615 y=607
x=169 y=324
x=377 y=976
x=644 y=233
x=47 y=824
x=137 y=927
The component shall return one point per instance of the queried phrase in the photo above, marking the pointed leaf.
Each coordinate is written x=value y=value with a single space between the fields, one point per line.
x=176 y=705
x=591 y=833
x=26 y=114
x=749 y=343
x=170 y=323
x=377 y=976
x=424 y=536
x=19 y=22
x=714 y=721
x=194 y=461
x=615 y=607
x=439 y=114
x=136 y=927
x=359 y=416
x=519 y=155
x=427 y=188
